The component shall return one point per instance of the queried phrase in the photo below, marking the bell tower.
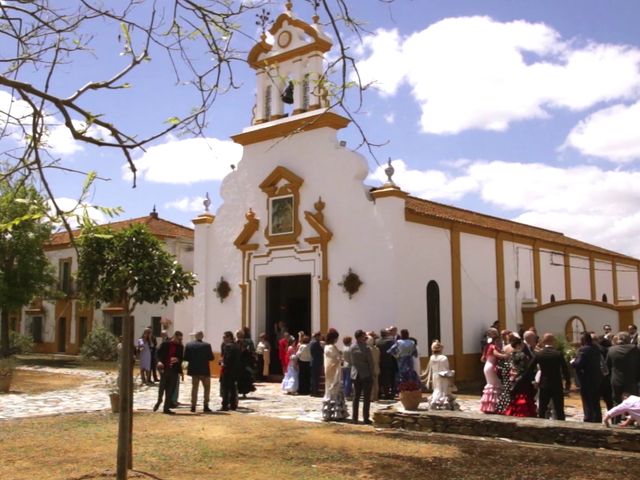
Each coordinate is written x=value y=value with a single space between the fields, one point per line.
x=290 y=71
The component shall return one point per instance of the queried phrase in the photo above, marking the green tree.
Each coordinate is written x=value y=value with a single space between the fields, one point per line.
x=128 y=267
x=24 y=268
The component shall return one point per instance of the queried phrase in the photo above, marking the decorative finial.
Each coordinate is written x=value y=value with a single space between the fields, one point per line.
x=389 y=171
x=206 y=202
x=250 y=215
x=289 y=6
x=315 y=4
x=319 y=205
x=154 y=213
x=263 y=19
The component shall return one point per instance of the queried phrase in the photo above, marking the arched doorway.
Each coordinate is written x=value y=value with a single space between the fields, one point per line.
x=433 y=313
x=573 y=329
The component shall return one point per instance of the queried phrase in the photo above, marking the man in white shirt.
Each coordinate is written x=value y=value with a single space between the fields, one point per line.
x=630 y=406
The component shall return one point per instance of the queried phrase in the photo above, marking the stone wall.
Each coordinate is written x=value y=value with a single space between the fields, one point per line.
x=533 y=430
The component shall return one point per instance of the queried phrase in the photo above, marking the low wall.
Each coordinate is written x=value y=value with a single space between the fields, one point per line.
x=532 y=430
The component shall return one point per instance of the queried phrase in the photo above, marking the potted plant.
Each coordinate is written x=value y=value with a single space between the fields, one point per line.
x=7 y=366
x=111 y=383
x=410 y=392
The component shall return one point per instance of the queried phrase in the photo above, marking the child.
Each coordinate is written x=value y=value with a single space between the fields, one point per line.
x=290 y=381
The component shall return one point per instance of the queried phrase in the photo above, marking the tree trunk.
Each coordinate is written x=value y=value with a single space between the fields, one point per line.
x=126 y=397
x=4 y=332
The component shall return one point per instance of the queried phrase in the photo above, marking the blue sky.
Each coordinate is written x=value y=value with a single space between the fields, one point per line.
x=528 y=110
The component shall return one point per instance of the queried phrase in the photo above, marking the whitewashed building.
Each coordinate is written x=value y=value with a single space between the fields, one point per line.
x=61 y=325
x=300 y=238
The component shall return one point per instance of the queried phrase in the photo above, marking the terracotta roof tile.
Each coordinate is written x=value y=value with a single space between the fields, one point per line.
x=429 y=209
x=159 y=227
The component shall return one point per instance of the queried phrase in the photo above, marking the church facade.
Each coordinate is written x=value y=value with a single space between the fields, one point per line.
x=300 y=238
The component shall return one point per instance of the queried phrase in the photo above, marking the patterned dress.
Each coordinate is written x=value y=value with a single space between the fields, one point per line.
x=333 y=403
x=523 y=394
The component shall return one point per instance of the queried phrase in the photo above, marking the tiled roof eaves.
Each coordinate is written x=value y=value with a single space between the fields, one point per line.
x=429 y=209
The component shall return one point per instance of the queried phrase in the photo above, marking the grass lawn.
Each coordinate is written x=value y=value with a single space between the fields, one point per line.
x=241 y=446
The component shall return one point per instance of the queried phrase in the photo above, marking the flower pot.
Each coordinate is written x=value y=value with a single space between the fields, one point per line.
x=5 y=383
x=115 y=402
x=410 y=399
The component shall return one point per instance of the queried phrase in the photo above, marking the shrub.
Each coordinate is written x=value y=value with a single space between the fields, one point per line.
x=19 y=344
x=100 y=344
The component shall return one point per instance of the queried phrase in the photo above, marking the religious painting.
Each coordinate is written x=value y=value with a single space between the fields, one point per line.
x=281 y=215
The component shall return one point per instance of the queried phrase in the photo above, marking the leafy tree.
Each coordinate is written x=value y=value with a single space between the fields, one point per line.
x=128 y=267
x=24 y=268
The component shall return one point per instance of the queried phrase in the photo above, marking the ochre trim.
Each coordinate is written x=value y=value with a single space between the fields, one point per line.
x=527 y=318
x=502 y=305
x=567 y=276
x=384 y=192
x=291 y=187
x=592 y=277
x=262 y=47
x=241 y=244
x=614 y=273
x=456 y=288
x=316 y=221
x=625 y=318
x=537 y=275
x=294 y=125
x=581 y=302
x=449 y=224
x=205 y=218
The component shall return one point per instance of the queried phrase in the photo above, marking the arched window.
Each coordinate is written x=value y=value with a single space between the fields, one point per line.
x=604 y=297
x=433 y=313
x=553 y=298
x=573 y=329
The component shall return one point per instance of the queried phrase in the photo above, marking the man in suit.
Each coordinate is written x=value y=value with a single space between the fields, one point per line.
x=317 y=362
x=198 y=353
x=623 y=362
x=362 y=376
x=388 y=366
x=553 y=368
x=170 y=355
x=230 y=372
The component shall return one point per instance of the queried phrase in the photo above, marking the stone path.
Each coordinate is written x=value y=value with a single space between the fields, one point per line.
x=92 y=395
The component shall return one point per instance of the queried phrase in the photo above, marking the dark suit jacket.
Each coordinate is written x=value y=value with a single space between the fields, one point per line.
x=553 y=368
x=361 y=361
x=317 y=355
x=198 y=354
x=232 y=361
x=624 y=364
x=163 y=356
x=587 y=365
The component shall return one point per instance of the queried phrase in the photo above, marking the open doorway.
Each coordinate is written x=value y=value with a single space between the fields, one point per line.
x=288 y=304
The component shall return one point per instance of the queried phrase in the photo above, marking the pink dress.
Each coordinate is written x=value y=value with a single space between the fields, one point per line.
x=493 y=388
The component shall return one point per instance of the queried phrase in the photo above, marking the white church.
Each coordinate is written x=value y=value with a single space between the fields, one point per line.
x=300 y=238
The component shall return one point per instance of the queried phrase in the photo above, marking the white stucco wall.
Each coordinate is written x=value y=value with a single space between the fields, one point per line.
x=551 y=276
x=518 y=266
x=604 y=280
x=425 y=255
x=627 y=278
x=360 y=234
x=479 y=288
x=580 y=278
x=554 y=319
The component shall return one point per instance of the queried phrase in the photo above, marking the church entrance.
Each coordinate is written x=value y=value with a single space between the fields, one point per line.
x=288 y=306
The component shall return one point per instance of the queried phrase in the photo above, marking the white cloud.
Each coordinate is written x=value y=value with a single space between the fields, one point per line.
x=73 y=209
x=16 y=115
x=477 y=73
x=584 y=202
x=187 y=204
x=612 y=133
x=390 y=118
x=187 y=161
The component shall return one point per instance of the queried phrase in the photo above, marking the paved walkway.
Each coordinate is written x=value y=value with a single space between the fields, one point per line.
x=92 y=395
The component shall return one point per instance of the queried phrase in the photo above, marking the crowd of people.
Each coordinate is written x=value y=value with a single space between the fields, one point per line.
x=528 y=376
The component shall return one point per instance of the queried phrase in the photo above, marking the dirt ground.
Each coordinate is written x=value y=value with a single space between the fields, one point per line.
x=243 y=446
x=30 y=382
